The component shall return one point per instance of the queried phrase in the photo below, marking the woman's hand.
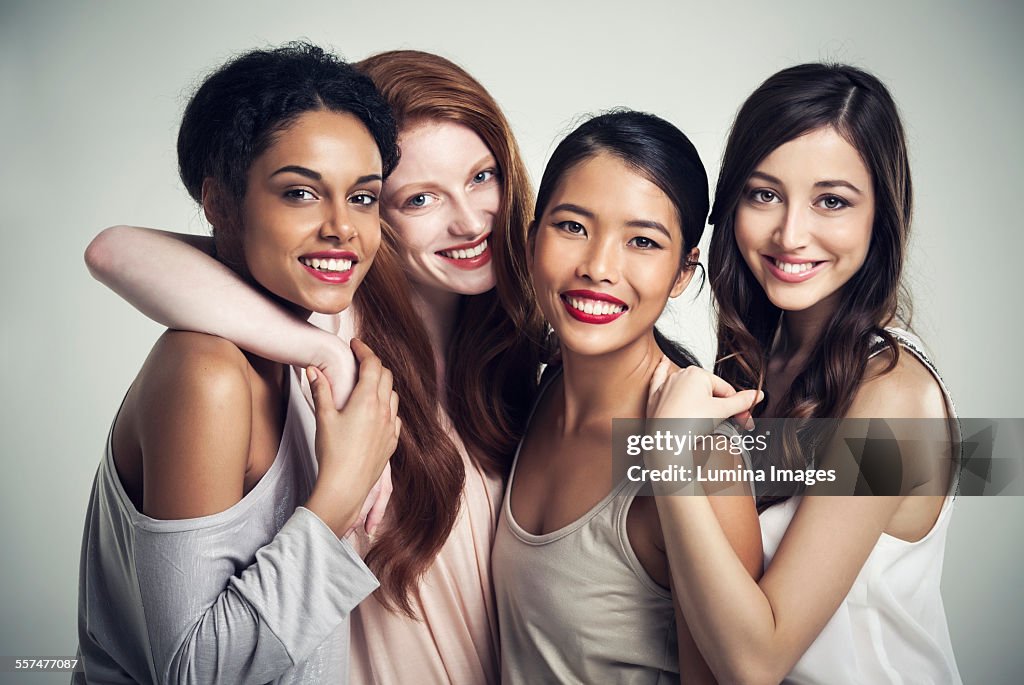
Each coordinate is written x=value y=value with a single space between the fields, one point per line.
x=353 y=444
x=334 y=359
x=694 y=393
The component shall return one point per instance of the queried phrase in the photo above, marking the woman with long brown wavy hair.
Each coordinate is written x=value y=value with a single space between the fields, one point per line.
x=812 y=217
x=455 y=212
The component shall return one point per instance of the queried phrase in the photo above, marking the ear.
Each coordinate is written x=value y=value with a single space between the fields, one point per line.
x=211 y=201
x=685 y=273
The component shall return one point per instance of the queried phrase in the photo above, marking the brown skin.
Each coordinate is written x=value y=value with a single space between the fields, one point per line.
x=202 y=422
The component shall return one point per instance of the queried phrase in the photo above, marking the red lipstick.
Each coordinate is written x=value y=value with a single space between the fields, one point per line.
x=568 y=296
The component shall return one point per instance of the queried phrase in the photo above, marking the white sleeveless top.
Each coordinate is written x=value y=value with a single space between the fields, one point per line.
x=891 y=627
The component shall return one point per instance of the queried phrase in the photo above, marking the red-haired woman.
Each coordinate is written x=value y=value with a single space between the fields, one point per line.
x=457 y=207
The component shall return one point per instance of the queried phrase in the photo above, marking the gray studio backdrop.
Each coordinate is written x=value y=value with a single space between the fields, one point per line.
x=92 y=93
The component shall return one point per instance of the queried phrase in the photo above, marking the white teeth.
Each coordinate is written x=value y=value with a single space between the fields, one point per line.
x=333 y=265
x=791 y=268
x=596 y=307
x=466 y=254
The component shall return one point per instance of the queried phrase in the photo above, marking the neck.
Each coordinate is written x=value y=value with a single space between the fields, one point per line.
x=802 y=330
x=598 y=388
x=438 y=310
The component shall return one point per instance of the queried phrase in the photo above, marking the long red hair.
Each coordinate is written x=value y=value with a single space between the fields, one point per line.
x=497 y=335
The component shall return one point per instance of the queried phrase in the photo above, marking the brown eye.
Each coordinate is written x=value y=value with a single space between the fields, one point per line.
x=644 y=243
x=364 y=199
x=572 y=227
x=301 y=194
x=832 y=202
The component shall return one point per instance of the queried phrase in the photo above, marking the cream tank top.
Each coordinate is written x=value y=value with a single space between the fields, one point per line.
x=891 y=627
x=576 y=606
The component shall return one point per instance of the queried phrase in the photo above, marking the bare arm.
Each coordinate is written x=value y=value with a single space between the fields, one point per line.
x=207 y=620
x=173 y=279
x=753 y=631
x=736 y=513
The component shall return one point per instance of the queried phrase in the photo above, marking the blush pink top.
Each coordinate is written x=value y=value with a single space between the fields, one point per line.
x=457 y=639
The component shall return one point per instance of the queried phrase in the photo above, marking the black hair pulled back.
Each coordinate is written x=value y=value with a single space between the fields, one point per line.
x=656 y=150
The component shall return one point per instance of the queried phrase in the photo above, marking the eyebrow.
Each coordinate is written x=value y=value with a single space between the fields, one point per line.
x=300 y=170
x=828 y=183
x=575 y=209
x=646 y=223
x=401 y=191
x=316 y=176
x=487 y=160
x=838 y=183
x=635 y=223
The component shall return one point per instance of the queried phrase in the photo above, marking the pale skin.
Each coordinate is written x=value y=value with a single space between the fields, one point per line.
x=608 y=230
x=173 y=279
x=752 y=631
x=233 y=403
x=444 y=194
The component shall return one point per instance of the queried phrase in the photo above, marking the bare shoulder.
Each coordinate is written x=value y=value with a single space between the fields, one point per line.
x=193 y=404
x=909 y=390
x=186 y=369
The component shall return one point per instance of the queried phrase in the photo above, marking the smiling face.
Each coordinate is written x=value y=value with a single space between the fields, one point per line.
x=442 y=200
x=310 y=218
x=606 y=257
x=804 y=222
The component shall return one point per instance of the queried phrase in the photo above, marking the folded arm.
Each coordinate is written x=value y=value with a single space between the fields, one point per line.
x=754 y=631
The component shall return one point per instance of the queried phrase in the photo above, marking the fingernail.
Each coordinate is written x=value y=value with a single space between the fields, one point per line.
x=749 y=425
x=311 y=374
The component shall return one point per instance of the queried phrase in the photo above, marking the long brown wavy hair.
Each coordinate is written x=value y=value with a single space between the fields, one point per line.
x=490 y=388
x=789 y=104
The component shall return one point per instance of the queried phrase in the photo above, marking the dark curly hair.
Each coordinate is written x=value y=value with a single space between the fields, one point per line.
x=229 y=122
x=235 y=114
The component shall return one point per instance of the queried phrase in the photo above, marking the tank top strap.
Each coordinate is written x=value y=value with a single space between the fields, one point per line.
x=619 y=513
x=915 y=346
